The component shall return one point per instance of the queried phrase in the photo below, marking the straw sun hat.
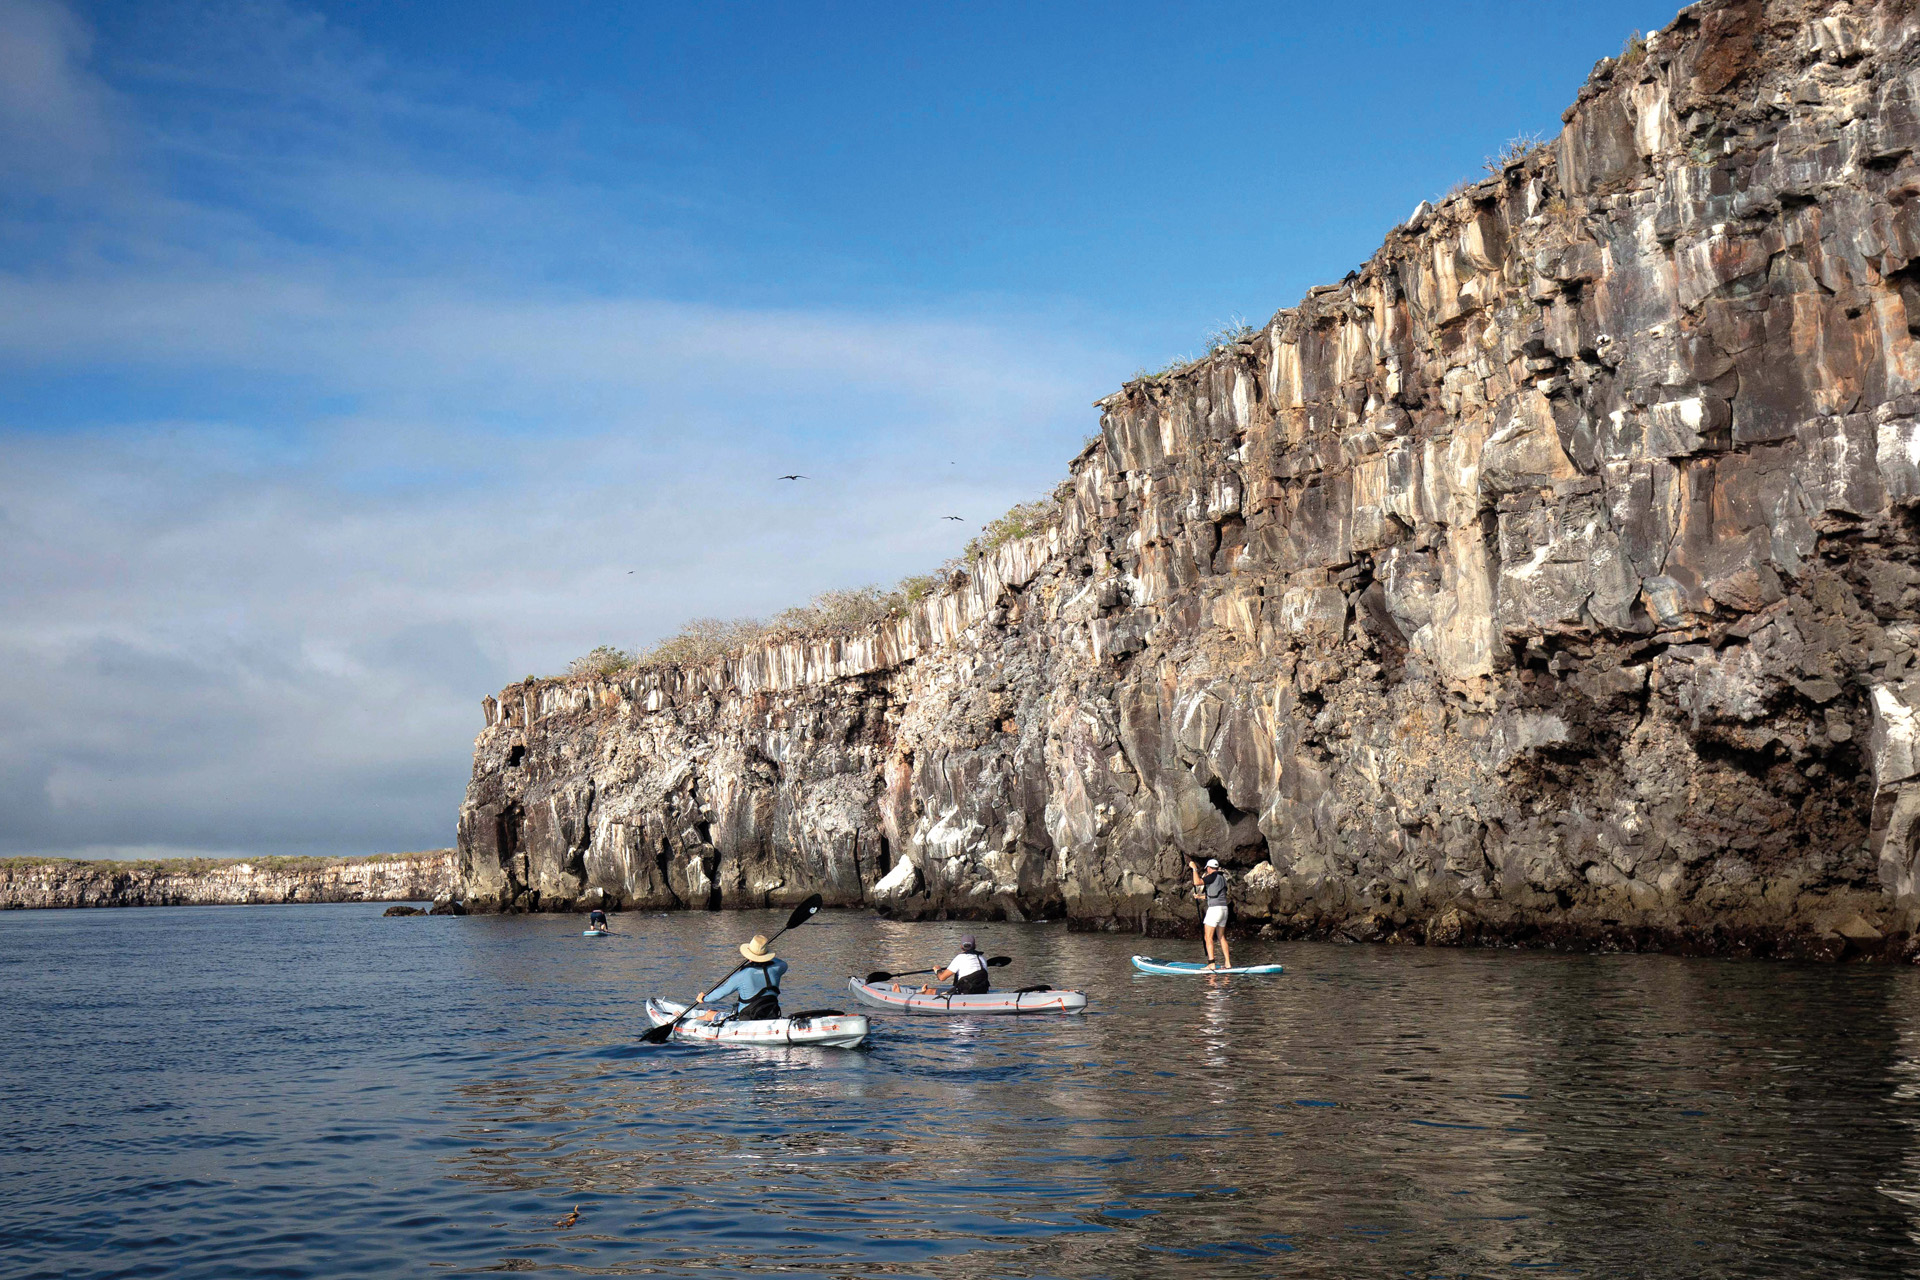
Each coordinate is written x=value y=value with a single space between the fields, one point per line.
x=756 y=951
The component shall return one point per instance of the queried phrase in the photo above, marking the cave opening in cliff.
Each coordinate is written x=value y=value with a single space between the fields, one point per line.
x=886 y=855
x=1249 y=842
x=516 y=756
x=1217 y=792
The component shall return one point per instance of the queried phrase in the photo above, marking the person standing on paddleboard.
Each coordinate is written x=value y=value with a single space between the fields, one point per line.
x=755 y=984
x=1211 y=888
x=967 y=971
x=596 y=919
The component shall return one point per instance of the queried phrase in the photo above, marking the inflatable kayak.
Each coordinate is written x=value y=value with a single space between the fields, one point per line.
x=1147 y=964
x=911 y=999
x=829 y=1028
x=593 y=933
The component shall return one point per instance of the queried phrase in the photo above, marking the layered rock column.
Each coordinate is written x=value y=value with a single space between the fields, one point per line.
x=1552 y=577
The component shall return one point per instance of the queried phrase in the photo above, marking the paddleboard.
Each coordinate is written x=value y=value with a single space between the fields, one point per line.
x=1147 y=964
x=593 y=933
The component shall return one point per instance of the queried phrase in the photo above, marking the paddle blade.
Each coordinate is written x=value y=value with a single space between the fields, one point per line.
x=882 y=977
x=999 y=962
x=657 y=1035
x=803 y=912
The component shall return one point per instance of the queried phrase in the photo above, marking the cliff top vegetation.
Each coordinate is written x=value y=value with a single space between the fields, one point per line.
x=831 y=613
x=844 y=612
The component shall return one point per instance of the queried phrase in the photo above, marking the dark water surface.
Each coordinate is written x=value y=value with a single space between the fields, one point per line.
x=318 y=1091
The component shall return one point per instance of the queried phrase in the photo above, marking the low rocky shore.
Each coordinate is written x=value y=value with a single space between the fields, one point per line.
x=199 y=882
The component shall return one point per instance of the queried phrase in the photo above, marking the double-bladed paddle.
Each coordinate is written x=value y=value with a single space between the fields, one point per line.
x=993 y=963
x=801 y=914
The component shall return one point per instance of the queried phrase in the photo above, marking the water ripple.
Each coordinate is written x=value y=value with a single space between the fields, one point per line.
x=318 y=1091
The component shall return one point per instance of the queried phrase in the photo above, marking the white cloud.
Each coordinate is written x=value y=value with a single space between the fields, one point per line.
x=261 y=618
x=52 y=112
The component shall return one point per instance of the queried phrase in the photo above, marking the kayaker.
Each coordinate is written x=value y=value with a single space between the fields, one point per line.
x=967 y=971
x=755 y=984
x=596 y=919
x=1211 y=888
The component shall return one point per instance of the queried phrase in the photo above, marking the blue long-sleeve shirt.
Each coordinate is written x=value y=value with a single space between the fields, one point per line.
x=747 y=983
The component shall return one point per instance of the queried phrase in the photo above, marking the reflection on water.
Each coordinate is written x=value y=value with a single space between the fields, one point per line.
x=315 y=1091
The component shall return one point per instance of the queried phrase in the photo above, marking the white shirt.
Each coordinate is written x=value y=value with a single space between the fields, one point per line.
x=965 y=963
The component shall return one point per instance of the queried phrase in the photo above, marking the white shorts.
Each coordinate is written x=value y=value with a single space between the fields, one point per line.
x=1215 y=917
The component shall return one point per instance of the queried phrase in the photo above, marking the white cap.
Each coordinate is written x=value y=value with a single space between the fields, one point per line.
x=1213 y=864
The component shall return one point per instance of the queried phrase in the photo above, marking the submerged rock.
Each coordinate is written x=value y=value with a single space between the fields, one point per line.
x=1552 y=579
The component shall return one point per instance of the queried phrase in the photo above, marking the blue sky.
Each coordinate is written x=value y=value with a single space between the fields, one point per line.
x=351 y=355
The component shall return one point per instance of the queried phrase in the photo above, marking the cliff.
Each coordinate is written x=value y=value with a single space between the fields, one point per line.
x=1553 y=577
x=199 y=882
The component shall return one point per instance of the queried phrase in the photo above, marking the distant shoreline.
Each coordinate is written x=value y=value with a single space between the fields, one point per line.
x=37 y=883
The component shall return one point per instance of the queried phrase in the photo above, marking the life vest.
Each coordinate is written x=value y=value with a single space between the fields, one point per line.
x=763 y=1004
x=974 y=981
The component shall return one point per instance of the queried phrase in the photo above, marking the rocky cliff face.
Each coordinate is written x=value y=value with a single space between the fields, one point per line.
x=1552 y=577
x=416 y=877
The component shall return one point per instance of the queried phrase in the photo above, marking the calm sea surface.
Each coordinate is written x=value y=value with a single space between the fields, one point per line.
x=318 y=1091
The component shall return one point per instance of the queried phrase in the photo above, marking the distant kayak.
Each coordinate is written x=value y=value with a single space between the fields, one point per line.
x=909 y=998
x=594 y=933
x=831 y=1029
x=1147 y=964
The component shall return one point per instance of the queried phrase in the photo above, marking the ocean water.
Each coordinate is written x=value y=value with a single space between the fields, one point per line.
x=319 y=1091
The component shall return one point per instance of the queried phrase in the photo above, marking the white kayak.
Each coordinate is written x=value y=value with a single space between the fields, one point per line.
x=1147 y=964
x=593 y=933
x=832 y=1030
x=909 y=998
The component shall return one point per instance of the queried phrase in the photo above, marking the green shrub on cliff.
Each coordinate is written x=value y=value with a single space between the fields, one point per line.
x=1224 y=336
x=1521 y=147
x=838 y=612
x=831 y=613
x=602 y=660
x=1023 y=521
x=917 y=587
x=702 y=640
x=1229 y=334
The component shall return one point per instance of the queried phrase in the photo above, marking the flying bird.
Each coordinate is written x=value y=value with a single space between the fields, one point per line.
x=952 y=518
x=793 y=477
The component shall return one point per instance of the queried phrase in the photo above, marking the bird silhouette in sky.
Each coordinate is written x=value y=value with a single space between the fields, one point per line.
x=951 y=518
x=793 y=477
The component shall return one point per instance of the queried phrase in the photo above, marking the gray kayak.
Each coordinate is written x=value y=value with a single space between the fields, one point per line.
x=909 y=998
x=831 y=1030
